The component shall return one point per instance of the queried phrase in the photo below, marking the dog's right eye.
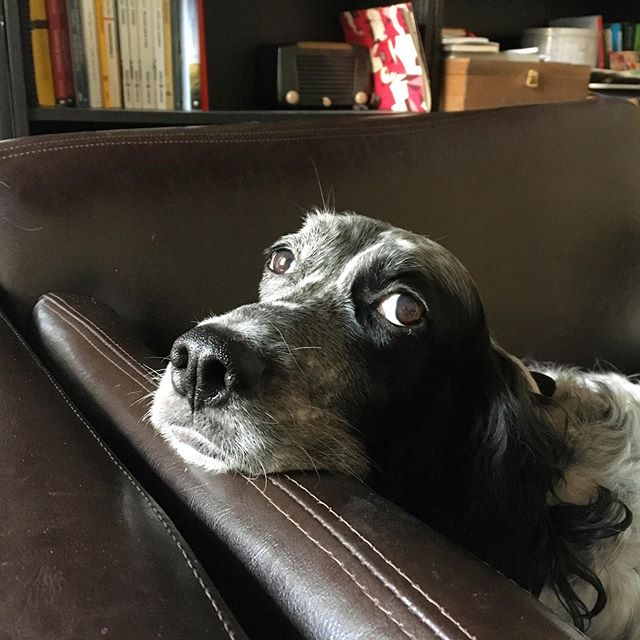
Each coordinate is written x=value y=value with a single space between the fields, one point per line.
x=402 y=309
x=281 y=261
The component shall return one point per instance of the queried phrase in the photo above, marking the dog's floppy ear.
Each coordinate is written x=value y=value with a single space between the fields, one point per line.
x=519 y=457
x=515 y=456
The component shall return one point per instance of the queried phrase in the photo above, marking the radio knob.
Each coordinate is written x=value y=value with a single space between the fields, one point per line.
x=326 y=101
x=292 y=97
x=361 y=97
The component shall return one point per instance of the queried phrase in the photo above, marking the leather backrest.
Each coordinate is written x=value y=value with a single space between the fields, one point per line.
x=541 y=203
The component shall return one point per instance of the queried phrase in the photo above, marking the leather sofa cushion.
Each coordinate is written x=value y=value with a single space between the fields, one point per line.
x=85 y=551
x=337 y=560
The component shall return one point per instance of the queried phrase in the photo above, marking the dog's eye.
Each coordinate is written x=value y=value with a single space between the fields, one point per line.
x=402 y=309
x=281 y=260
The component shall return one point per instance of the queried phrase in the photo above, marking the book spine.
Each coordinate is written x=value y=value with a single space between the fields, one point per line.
x=601 y=53
x=204 y=79
x=78 y=62
x=168 y=50
x=41 y=53
x=113 y=53
x=628 y=33
x=159 y=75
x=109 y=54
x=190 y=55
x=122 y=8
x=176 y=55
x=616 y=36
x=90 y=38
x=145 y=41
x=60 y=52
x=134 y=51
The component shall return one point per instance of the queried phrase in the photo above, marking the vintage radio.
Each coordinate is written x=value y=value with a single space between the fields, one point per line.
x=315 y=75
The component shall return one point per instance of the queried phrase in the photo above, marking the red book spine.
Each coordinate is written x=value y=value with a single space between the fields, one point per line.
x=204 y=78
x=60 y=49
x=601 y=53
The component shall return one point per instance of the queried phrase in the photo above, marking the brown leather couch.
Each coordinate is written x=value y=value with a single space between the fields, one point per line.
x=112 y=243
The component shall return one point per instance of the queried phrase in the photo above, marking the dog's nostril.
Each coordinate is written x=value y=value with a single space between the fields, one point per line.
x=180 y=357
x=213 y=377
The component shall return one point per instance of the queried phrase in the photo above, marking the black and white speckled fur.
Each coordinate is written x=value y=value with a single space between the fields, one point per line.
x=435 y=415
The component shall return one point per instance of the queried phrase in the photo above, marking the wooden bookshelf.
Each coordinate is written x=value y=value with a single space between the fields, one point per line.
x=235 y=30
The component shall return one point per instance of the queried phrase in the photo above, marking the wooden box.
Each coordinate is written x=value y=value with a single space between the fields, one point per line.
x=482 y=83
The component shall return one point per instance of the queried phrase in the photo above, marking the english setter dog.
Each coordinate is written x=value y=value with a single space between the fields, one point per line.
x=369 y=354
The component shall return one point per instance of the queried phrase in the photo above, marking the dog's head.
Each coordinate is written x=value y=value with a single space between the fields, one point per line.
x=368 y=352
x=357 y=324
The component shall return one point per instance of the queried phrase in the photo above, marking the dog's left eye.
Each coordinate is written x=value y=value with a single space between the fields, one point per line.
x=281 y=260
x=402 y=309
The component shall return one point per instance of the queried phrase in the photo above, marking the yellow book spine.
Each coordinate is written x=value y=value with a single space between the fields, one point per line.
x=103 y=54
x=168 y=58
x=41 y=56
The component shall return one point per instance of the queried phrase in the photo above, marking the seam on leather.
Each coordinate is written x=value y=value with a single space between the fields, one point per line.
x=104 y=337
x=413 y=584
x=341 y=564
x=83 y=335
x=254 y=136
x=411 y=607
x=266 y=130
x=124 y=471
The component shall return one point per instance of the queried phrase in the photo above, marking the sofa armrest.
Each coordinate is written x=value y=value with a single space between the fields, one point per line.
x=337 y=559
x=85 y=551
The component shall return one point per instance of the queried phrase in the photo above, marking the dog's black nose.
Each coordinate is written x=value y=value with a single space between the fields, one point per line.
x=209 y=363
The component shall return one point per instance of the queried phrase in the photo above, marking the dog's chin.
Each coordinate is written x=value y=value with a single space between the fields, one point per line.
x=196 y=449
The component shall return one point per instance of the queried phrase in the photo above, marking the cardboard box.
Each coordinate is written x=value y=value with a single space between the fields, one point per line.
x=482 y=83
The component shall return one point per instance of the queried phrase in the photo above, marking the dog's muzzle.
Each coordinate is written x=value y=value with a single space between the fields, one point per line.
x=209 y=364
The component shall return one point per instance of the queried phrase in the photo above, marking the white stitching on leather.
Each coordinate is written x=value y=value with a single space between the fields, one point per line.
x=129 y=477
x=390 y=586
x=417 y=587
x=255 y=136
x=341 y=564
x=117 y=349
x=126 y=373
x=224 y=136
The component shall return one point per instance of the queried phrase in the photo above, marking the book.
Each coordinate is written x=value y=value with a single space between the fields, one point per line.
x=78 y=62
x=122 y=9
x=109 y=54
x=146 y=52
x=453 y=32
x=616 y=36
x=624 y=60
x=176 y=54
x=134 y=53
x=628 y=35
x=60 y=51
x=168 y=53
x=204 y=80
x=485 y=47
x=159 y=77
x=594 y=23
x=91 y=57
x=190 y=55
x=39 y=28
x=400 y=77
x=464 y=40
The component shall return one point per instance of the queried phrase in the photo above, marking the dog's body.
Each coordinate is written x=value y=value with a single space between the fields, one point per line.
x=369 y=354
